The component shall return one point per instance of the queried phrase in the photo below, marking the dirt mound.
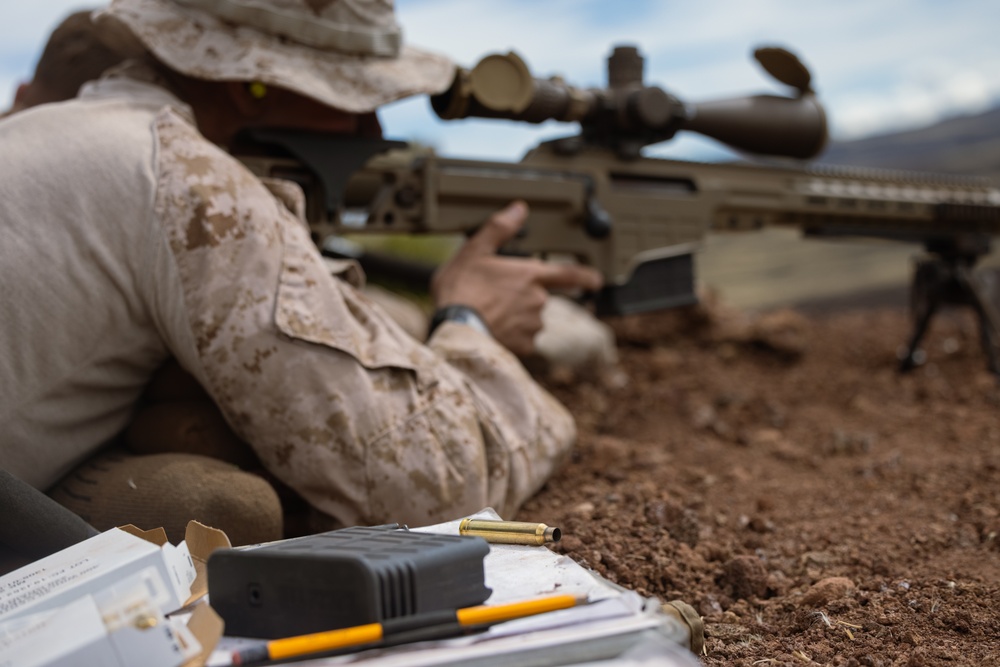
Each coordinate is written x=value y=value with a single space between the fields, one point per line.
x=814 y=505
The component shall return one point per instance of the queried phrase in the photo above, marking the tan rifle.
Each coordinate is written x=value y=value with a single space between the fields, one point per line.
x=639 y=220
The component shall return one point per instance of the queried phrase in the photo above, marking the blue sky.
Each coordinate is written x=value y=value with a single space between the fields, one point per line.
x=878 y=65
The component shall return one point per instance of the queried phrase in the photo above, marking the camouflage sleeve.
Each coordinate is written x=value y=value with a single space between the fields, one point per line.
x=363 y=421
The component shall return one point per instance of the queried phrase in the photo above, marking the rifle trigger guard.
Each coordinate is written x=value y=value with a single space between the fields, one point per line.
x=597 y=222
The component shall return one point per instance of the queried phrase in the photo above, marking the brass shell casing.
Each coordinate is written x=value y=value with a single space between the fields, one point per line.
x=510 y=532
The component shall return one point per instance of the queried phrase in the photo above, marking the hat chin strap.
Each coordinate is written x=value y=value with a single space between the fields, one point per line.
x=308 y=30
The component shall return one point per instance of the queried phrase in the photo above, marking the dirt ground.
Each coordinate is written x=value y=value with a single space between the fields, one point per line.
x=777 y=472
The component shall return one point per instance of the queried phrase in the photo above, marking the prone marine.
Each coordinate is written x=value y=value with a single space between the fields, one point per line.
x=157 y=243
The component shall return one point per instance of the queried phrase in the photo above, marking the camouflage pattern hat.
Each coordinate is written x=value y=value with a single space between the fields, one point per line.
x=347 y=54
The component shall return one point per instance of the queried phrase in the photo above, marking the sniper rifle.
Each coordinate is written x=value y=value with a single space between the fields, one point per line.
x=595 y=198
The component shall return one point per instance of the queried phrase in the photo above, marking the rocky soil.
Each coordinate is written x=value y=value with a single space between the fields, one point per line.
x=815 y=506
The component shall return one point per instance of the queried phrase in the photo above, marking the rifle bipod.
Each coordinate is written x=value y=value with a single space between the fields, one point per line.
x=945 y=276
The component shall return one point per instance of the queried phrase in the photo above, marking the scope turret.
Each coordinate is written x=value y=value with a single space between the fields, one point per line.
x=628 y=115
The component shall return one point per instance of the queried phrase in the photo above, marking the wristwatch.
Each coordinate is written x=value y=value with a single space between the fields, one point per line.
x=457 y=313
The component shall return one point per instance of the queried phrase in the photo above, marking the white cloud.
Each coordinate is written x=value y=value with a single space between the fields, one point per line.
x=970 y=90
x=877 y=64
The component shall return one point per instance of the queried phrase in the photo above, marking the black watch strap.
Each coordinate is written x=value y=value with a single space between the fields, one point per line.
x=460 y=314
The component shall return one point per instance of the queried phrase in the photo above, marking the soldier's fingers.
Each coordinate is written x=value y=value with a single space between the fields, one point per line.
x=501 y=227
x=567 y=276
x=522 y=341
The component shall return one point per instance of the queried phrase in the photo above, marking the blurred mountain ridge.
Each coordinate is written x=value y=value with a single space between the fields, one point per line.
x=967 y=144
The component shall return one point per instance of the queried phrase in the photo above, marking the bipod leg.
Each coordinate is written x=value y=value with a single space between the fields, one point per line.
x=989 y=319
x=909 y=360
x=927 y=292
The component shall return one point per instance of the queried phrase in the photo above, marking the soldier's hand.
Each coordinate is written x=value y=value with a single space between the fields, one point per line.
x=508 y=292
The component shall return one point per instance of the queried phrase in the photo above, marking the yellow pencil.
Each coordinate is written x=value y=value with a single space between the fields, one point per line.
x=422 y=627
x=488 y=614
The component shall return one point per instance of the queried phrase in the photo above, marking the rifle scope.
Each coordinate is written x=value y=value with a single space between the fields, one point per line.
x=628 y=115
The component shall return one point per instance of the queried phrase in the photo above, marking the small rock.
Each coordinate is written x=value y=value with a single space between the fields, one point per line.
x=709 y=605
x=745 y=576
x=704 y=416
x=783 y=331
x=864 y=405
x=778 y=583
x=759 y=524
x=570 y=543
x=826 y=590
x=728 y=352
x=664 y=361
x=816 y=558
x=681 y=523
x=765 y=436
x=584 y=510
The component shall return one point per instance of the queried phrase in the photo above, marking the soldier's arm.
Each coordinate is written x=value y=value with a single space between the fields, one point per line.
x=337 y=401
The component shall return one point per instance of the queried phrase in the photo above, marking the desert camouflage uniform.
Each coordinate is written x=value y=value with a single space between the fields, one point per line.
x=132 y=238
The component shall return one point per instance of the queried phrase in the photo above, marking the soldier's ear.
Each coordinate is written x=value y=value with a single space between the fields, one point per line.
x=250 y=99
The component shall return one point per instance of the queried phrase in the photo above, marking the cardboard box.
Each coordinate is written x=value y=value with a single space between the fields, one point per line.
x=121 y=626
x=104 y=601
x=92 y=565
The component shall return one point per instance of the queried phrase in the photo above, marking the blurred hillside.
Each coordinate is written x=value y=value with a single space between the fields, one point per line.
x=777 y=267
x=963 y=145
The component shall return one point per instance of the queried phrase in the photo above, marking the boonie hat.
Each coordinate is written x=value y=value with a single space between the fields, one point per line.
x=348 y=54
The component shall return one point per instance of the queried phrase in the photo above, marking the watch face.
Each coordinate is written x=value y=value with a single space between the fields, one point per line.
x=460 y=315
x=466 y=317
